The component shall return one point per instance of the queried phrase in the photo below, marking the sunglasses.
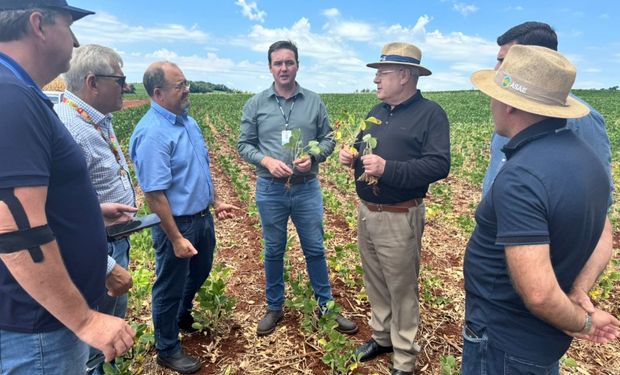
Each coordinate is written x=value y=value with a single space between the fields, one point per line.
x=121 y=80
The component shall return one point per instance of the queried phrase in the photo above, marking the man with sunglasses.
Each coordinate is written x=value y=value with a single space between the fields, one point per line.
x=94 y=87
x=52 y=237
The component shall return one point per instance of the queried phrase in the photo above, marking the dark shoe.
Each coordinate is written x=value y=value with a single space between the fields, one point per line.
x=269 y=322
x=345 y=325
x=185 y=323
x=179 y=362
x=370 y=349
x=401 y=372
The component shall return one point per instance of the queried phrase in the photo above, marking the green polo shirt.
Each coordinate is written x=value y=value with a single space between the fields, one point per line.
x=263 y=122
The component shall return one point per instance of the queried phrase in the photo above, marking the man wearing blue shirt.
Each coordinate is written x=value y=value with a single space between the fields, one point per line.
x=590 y=128
x=173 y=169
x=538 y=228
x=52 y=237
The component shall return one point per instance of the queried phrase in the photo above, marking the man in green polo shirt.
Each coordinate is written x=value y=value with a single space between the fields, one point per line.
x=286 y=187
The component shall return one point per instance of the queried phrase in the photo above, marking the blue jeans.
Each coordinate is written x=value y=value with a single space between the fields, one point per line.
x=479 y=358
x=178 y=279
x=58 y=352
x=303 y=203
x=117 y=306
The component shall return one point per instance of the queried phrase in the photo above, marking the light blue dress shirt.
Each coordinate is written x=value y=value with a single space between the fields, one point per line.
x=170 y=155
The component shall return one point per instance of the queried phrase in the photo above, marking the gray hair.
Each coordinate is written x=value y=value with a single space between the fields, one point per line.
x=14 y=23
x=90 y=59
x=155 y=76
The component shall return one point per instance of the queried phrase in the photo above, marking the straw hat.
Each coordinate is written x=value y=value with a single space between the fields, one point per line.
x=533 y=79
x=401 y=54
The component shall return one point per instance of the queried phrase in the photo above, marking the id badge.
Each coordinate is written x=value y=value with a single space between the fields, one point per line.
x=286 y=136
x=124 y=179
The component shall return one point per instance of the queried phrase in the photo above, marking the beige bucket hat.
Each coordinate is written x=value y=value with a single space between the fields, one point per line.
x=535 y=80
x=401 y=54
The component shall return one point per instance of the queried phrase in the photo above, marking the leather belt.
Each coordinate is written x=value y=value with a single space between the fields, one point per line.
x=394 y=207
x=201 y=213
x=294 y=180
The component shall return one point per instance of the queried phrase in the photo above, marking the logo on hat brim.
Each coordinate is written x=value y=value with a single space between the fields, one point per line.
x=509 y=92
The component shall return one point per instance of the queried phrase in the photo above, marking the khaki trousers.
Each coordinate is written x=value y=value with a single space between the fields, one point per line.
x=390 y=245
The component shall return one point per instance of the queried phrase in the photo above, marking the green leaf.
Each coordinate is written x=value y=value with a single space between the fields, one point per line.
x=314 y=150
x=372 y=142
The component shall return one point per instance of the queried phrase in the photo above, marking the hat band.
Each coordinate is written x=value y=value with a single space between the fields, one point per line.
x=530 y=91
x=399 y=59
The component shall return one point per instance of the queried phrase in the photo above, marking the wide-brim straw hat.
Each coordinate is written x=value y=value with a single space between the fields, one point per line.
x=535 y=80
x=401 y=54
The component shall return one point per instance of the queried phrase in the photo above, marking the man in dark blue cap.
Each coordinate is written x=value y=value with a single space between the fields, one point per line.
x=52 y=237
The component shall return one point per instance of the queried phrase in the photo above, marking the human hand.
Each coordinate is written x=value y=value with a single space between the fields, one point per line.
x=224 y=210
x=580 y=297
x=111 y=335
x=346 y=157
x=605 y=328
x=303 y=164
x=276 y=167
x=118 y=282
x=374 y=165
x=116 y=213
x=183 y=248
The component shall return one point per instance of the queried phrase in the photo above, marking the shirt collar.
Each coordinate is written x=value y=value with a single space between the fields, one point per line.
x=22 y=75
x=169 y=116
x=413 y=99
x=539 y=130
x=298 y=90
x=98 y=117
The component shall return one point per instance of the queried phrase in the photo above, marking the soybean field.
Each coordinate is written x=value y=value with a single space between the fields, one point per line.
x=231 y=302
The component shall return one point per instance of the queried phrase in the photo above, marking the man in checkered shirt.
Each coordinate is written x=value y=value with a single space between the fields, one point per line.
x=95 y=85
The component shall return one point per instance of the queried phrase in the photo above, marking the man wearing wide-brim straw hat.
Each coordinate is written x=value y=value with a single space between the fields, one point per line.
x=412 y=151
x=537 y=227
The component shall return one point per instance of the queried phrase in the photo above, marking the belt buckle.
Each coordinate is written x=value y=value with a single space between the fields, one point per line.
x=379 y=207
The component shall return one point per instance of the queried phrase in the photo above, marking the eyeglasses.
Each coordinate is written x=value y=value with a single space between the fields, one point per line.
x=121 y=80
x=182 y=85
x=381 y=73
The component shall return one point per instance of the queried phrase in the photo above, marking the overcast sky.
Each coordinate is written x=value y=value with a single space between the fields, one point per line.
x=226 y=41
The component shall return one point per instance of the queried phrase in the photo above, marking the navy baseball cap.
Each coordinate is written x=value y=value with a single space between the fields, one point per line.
x=76 y=13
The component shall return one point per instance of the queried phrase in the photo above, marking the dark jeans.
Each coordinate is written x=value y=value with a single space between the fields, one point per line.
x=303 y=203
x=178 y=279
x=479 y=358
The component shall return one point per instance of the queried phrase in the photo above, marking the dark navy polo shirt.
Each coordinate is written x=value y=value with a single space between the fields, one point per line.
x=552 y=190
x=414 y=139
x=37 y=150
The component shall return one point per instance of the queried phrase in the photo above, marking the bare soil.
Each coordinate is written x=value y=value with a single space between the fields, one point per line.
x=235 y=348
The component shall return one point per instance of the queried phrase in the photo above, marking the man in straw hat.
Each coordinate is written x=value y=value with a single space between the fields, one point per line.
x=591 y=128
x=537 y=227
x=52 y=237
x=412 y=151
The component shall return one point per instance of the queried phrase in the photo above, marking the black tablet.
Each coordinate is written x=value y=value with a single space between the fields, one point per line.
x=126 y=228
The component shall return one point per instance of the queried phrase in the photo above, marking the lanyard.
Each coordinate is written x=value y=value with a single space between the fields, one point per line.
x=110 y=139
x=286 y=119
